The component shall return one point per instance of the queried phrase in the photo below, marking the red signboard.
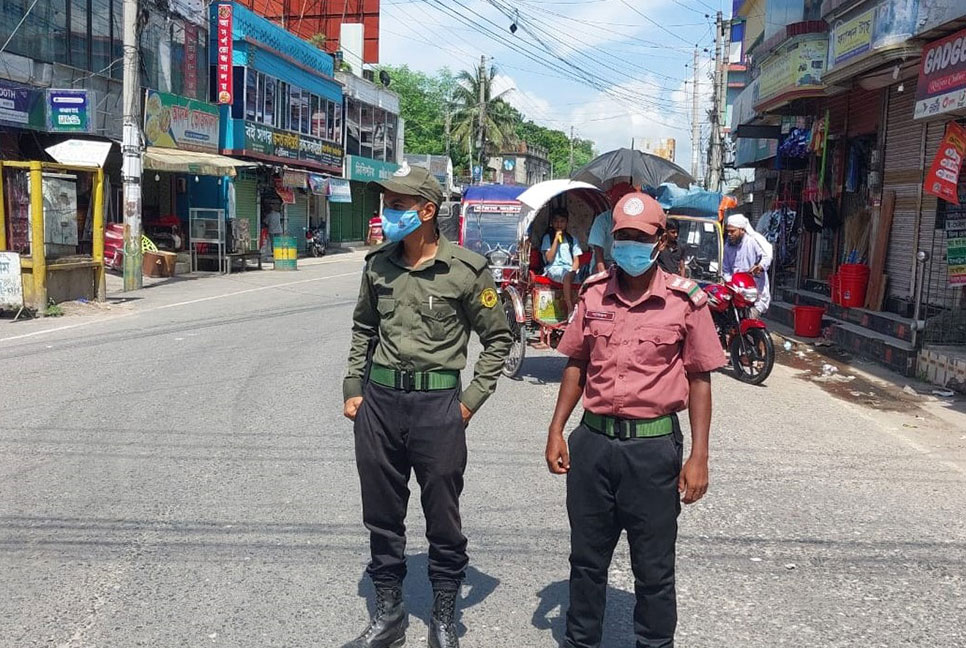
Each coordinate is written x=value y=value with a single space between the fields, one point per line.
x=943 y=176
x=942 y=77
x=225 y=77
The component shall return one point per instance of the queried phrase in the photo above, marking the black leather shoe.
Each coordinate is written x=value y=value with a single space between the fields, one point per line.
x=442 y=626
x=387 y=628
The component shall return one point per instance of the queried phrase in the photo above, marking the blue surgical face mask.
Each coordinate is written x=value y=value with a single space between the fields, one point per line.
x=398 y=224
x=634 y=257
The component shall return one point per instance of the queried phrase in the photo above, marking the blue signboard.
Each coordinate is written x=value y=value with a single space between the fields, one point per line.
x=21 y=106
x=68 y=111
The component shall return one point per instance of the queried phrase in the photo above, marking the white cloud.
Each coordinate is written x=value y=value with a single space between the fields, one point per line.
x=604 y=38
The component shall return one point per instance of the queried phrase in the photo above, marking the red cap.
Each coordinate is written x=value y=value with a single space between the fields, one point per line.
x=641 y=212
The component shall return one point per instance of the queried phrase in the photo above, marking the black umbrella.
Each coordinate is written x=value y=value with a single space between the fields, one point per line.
x=639 y=169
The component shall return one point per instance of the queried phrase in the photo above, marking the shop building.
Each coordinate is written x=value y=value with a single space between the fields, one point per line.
x=373 y=144
x=281 y=108
x=522 y=164
x=842 y=149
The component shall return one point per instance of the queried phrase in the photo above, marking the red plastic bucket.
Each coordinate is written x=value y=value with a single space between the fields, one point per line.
x=853 y=283
x=808 y=320
x=835 y=287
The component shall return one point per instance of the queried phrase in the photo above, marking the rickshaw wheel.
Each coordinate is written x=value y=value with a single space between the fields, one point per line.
x=518 y=350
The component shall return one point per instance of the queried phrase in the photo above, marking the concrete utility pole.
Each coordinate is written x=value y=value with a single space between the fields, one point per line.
x=131 y=151
x=695 y=123
x=447 y=126
x=716 y=171
x=481 y=142
x=571 y=174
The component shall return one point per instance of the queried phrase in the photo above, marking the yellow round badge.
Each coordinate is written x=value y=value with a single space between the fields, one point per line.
x=488 y=298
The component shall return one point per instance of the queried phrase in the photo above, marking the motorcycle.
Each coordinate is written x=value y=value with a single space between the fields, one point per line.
x=745 y=338
x=315 y=241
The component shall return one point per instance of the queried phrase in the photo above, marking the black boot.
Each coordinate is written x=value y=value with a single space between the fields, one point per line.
x=442 y=627
x=387 y=628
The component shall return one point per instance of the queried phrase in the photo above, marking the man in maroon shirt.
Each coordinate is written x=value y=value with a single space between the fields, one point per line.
x=641 y=345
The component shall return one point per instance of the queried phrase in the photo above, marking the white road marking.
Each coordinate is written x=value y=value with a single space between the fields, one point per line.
x=184 y=303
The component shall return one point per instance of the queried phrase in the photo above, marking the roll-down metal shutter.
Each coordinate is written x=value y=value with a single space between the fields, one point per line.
x=903 y=174
x=246 y=203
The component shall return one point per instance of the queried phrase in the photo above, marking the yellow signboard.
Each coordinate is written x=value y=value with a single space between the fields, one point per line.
x=851 y=37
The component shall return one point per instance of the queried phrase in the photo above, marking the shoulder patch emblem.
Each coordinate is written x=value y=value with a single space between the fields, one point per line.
x=690 y=288
x=488 y=298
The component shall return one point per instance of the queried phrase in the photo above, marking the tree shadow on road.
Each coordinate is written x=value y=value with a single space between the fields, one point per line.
x=551 y=614
x=418 y=593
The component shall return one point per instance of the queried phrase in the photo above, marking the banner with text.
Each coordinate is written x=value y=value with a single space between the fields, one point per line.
x=177 y=122
x=943 y=177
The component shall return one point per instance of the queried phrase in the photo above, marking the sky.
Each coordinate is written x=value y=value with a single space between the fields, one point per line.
x=632 y=59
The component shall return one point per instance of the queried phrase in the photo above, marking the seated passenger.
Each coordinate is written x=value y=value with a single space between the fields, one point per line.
x=560 y=254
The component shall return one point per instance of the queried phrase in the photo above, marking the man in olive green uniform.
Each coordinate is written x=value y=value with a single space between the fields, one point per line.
x=421 y=296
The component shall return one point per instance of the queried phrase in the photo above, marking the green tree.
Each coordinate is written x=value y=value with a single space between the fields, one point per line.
x=557 y=144
x=499 y=119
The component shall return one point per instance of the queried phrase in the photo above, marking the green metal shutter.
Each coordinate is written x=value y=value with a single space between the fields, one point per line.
x=298 y=219
x=246 y=203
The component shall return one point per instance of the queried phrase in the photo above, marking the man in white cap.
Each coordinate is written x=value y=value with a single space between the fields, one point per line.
x=748 y=251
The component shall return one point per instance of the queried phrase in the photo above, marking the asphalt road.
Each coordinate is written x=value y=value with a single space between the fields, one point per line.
x=175 y=471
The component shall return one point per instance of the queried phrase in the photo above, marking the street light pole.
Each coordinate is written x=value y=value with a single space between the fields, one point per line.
x=131 y=151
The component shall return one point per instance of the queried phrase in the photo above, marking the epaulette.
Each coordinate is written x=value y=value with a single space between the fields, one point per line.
x=690 y=288
x=475 y=261
x=595 y=279
x=384 y=247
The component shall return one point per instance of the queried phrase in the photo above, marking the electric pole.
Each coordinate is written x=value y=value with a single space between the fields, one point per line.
x=571 y=174
x=481 y=142
x=716 y=172
x=448 y=124
x=131 y=151
x=695 y=123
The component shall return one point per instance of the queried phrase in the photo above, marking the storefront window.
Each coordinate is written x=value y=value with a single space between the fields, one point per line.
x=101 y=36
x=318 y=116
x=331 y=130
x=270 y=88
x=260 y=99
x=379 y=134
x=117 y=35
x=281 y=105
x=391 y=123
x=366 y=131
x=304 y=125
x=295 y=107
x=251 y=93
x=352 y=144
x=78 y=34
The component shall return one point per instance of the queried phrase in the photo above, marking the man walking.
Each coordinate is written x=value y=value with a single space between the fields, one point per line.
x=420 y=297
x=641 y=346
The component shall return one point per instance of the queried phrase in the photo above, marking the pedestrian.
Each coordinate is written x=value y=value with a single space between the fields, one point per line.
x=421 y=296
x=273 y=223
x=671 y=258
x=641 y=346
x=748 y=251
x=600 y=238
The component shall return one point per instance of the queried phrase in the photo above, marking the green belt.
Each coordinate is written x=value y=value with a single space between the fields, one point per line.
x=624 y=429
x=414 y=380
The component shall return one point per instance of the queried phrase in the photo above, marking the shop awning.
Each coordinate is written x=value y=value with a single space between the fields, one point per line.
x=178 y=161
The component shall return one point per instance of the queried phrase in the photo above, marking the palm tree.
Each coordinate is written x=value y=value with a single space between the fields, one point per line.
x=499 y=119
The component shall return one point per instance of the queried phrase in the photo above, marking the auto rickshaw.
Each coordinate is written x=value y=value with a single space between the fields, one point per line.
x=534 y=304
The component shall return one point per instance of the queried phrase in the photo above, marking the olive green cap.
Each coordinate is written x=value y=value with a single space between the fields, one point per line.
x=413 y=181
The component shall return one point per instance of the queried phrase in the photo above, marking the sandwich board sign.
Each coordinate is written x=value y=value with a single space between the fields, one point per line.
x=11 y=283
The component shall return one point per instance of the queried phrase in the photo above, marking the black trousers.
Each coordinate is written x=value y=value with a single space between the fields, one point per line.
x=627 y=485
x=398 y=433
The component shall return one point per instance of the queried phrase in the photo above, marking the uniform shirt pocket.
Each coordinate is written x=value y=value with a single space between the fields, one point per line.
x=657 y=345
x=440 y=318
x=599 y=333
x=385 y=306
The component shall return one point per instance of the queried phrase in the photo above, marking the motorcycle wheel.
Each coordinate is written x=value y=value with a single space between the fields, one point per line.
x=518 y=350
x=315 y=250
x=753 y=356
